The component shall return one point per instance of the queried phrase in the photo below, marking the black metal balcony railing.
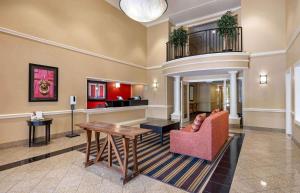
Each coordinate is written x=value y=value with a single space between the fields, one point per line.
x=206 y=42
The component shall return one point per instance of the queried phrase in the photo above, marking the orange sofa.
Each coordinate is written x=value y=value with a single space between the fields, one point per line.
x=205 y=143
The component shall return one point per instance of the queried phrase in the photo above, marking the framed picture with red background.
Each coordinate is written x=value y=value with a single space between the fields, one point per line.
x=43 y=83
x=97 y=90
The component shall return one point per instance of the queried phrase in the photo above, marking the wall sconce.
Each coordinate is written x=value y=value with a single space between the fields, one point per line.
x=117 y=85
x=263 y=79
x=155 y=85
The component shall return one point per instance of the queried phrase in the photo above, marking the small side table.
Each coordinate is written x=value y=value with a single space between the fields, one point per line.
x=32 y=124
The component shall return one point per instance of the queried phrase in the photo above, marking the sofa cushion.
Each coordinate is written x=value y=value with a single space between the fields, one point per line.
x=198 y=121
x=215 y=111
x=188 y=128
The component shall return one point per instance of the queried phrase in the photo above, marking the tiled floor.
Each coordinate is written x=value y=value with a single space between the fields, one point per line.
x=269 y=162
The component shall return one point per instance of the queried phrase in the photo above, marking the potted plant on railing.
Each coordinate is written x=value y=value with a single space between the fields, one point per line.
x=227 y=29
x=178 y=38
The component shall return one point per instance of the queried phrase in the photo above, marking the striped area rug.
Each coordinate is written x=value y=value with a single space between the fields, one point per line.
x=157 y=162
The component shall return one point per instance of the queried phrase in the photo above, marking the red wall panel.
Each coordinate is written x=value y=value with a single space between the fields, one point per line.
x=112 y=93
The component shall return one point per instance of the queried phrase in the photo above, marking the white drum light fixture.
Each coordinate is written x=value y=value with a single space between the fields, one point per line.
x=143 y=10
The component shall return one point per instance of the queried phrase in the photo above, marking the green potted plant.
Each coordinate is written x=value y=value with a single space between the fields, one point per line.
x=227 y=29
x=178 y=38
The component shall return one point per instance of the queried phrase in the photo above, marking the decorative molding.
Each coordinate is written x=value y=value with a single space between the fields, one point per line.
x=207 y=56
x=228 y=68
x=204 y=62
x=85 y=111
x=263 y=110
x=210 y=17
x=156 y=22
x=269 y=53
x=161 y=106
x=114 y=109
x=293 y=39
x=112 y=80
x=132 y=122
x=67 y=47
x=154 y=67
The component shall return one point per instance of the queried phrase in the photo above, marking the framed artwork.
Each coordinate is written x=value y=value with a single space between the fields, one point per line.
x=43 y=83
x=96 y=90
x=191 y=93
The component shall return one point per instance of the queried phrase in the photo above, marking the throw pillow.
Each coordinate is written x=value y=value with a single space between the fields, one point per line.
x=198 y=121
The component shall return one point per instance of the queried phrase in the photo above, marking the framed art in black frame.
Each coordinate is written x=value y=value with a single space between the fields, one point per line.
x=43 y=83
x=96 y=90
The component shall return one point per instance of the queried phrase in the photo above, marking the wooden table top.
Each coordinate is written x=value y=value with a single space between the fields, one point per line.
x=113 y=129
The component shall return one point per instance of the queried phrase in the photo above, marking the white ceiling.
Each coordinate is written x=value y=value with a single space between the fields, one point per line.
x=180 y=11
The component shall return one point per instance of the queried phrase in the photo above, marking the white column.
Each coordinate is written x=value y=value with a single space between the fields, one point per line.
x=233 y=95
x=224 y=95
x=176 y=114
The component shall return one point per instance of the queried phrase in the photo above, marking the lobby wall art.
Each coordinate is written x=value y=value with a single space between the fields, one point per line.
x=43 y=83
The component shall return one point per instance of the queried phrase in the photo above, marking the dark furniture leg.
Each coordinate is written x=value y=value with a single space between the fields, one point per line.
x=29 y=142
x=49 y=129
x=46 y=134
x=33 y=135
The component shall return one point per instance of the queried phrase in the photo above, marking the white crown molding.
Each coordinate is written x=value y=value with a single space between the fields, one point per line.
x=269 y=53
x=67 y=47
x=113 y=80
x=156 y=22
x=293 y=39
x=264 y=110
x=154 y=67
x=210 y=17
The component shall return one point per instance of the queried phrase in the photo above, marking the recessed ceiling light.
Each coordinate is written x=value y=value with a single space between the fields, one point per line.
x=143 y=10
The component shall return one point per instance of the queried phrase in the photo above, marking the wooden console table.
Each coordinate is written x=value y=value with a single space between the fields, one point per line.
x=125 y=132
x=32 y=124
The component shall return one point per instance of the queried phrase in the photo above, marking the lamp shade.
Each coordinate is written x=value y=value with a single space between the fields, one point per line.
x=143 y=10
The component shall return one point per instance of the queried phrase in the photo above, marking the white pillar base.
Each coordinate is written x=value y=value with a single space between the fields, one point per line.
x=175 y=116
x=234 y=120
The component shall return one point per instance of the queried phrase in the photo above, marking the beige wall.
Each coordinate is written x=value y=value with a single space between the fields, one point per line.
x=92 y=25
x=293 y=57
x=264 y=31
x=157 y=37
x=263 y=25
x=161 y=98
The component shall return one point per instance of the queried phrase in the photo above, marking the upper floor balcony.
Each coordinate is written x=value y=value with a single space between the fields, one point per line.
x=206 y=42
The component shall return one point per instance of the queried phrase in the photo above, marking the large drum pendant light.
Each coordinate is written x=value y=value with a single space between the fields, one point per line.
x=143 y=10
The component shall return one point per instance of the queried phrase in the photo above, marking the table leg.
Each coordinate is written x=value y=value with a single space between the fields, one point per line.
x=97 y=135
x=161 y=137
x=99 y=154
x=125 y=161
x=141 y=138
x=49 y=134
x=109 y=152
x=46 y=134
x=33 y=135
x=88 y=147
x=29 y=142
x=135 y=164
